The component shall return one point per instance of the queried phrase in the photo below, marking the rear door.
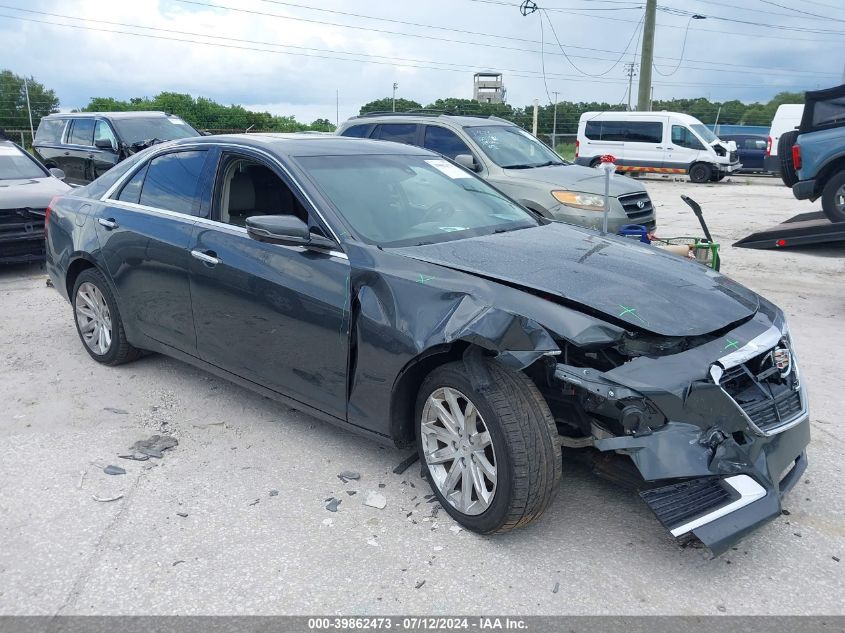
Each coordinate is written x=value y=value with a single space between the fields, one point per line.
x=275 y=315
x=752 y=151
x=78 y=151
x=48 y=142
x=644 y=142
x=144 y=232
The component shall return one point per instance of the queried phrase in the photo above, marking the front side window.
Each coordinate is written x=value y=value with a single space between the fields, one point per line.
x=145 y=130
x=397 y=132
x=446 y=142
x=82 y=132
x=103 y=131
x=15 y=165
x=402 y=200
x=248 y=188
x=683 y=137
x=512 y=148
x=171 y=181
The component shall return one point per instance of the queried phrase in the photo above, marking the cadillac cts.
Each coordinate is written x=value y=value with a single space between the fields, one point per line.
x=383 y=288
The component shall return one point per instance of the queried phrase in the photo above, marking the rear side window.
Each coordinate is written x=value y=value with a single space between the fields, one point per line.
x=625 y=131
x=171 y=181
x=50 y=131
x=356 y=131
x=82 y=132
x=397 y=132
x=131 y=191
x=439 y=139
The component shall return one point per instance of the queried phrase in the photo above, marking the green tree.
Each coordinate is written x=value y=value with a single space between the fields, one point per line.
x=323 y=125
x=13 y=112
x=386 y=105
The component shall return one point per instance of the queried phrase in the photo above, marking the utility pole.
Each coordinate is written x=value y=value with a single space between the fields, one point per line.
x=554 y=122
x=336 y=108
x=534 y=124
x=630 y=70
x=29 y=109
x=647 y=56
x=395 y=86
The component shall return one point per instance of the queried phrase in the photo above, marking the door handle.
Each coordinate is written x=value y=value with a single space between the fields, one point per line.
x=670 y=148
x=109 y=223
x=658 y=147
x=208 y=257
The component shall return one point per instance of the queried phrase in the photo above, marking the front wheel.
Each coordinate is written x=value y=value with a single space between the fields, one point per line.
x=492 y=454
x=700 y=172
x=98 y=320
x=833 y=198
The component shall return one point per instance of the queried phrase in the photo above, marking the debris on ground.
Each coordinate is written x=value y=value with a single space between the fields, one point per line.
x=111 y=469
x=332 y=503
x=372 y=542
x=406 y=463
x=176 y=562
x=351 y=492
x=116 y=411
x=182 y=514
x=255 y=502
x=205 y=425
x=106 y=499
x=456 y=529
x=48 y=283
x=81 y=479
x=556 y=588
x=349 y=475
x=328 y=522
x=419 y=584
x=154 y=446
x=836 y=558
x=375 y=500
x=274 y=493
x=382 y=485
x=138 y=457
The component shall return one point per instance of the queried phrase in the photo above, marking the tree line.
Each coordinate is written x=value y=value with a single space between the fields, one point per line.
x=206 y=114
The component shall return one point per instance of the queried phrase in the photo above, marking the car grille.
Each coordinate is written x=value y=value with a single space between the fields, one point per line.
x=22 y=223
x=757 y=387
x=631 y=205
x=679 y=503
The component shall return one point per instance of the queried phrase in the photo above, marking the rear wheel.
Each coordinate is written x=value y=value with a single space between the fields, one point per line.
x=492 y=455
x=787 y=166
x=98 y=320
x=700 y=172
x=833 y=197
x=595 y=162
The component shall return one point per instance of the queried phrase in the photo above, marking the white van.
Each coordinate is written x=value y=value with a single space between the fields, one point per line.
x=659 y=142
x=787 y=117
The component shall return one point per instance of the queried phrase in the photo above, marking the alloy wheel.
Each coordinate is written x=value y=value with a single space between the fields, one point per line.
x=839 y=200
x=93 y=318
x=458 y=450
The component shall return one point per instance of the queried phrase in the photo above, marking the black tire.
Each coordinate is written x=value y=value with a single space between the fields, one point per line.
x=700 y=173
x=834 y=185
x=595 y=162
x=524 y=438
x=717 y=177
x=787 y=166
x=119 y=351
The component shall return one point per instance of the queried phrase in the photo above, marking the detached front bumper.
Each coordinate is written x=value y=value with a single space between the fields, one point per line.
x=729 y=169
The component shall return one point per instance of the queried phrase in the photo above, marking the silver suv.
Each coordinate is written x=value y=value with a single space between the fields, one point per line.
x=515 y=162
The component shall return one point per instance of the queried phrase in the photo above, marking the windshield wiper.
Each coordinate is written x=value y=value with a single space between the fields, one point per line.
x=532 y=165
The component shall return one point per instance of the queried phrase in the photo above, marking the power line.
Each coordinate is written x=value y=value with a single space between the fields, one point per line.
x=807 y=13
x=759 y=11
x=780 y=27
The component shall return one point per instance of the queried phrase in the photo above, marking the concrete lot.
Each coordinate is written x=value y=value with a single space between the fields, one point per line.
x=242 y=550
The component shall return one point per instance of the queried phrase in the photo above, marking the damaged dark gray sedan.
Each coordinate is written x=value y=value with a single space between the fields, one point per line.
x=383 y=288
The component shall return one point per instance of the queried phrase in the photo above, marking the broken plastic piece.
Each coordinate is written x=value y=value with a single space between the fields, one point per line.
x=111 y=469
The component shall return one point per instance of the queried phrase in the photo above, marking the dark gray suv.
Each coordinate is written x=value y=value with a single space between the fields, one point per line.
x=517 y=164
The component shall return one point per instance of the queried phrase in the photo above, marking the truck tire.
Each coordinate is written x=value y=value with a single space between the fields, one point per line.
x=491 y=453
x=833 y=197
x=787 y=167
x=700 y=172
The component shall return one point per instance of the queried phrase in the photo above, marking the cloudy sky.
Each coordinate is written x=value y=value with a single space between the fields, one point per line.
x=292 y=57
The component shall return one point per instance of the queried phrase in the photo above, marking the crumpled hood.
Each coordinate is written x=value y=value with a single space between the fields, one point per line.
x=576 y=178
x=618 y=277
x=35 y=193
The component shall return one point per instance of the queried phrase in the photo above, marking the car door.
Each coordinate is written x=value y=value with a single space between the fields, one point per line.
x=752 y=151
x=102 y=158
x=275 y=315
x=78 y=151
x=144 y=230
x=684 y=149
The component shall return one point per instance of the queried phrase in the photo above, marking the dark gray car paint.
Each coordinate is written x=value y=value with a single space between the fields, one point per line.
x=367 y=323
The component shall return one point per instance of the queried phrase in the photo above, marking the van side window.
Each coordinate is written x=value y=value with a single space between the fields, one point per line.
x=439 y=139
x=82 y=132
x=625 y=131
x=683 y=137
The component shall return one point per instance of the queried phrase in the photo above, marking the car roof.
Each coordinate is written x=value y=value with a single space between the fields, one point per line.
x=309 y=144
x=623 y=115
x=4 y=142
x=134 y=114
x=461 y=120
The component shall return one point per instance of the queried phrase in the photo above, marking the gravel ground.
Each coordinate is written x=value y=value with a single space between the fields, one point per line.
x=232 y=521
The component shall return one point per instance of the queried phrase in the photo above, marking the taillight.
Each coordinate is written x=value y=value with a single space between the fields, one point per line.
x=769 y=147
x=47 y=213
x=796 y=156
x=577 y=147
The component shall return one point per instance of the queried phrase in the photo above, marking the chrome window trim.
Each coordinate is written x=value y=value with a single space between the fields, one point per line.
x=195 y=146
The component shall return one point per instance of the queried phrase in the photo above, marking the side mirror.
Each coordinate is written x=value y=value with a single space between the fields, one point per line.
x=467 y=160
x=104 y=143
x=57 y=173
x=287 y=230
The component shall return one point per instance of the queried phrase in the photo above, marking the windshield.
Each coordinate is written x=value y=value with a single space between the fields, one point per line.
x=401 y=200
x=704 y=132
x=512 y=148
x=163 y=128
x=14 y=165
